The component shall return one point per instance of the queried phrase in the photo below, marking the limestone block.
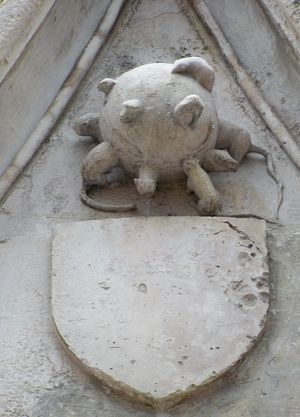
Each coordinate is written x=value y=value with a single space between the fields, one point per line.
x=158 y=307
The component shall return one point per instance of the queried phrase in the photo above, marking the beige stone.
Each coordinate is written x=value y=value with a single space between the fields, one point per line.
x=158 y=307
x=161 y=125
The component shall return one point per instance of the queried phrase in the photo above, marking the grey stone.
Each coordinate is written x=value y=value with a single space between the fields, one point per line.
x=158 y=307
x=158 y=123
x=267 y=383
x=31 y=31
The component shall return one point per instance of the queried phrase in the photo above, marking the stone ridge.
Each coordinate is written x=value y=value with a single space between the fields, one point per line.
x=18 y=19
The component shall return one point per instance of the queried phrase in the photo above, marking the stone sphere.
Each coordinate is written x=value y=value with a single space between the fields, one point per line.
x=153 y=117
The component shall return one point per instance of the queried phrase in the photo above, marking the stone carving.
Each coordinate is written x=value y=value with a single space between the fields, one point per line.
x=156 y=320
x=159 y=123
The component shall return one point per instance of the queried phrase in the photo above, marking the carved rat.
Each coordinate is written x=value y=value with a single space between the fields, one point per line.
x=159 y=123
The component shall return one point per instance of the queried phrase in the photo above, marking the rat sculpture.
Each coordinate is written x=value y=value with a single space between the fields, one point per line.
x=159 y=123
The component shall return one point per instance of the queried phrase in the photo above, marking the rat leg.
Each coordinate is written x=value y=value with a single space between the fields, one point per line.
x=97 y=163
x=146 y=182
x=217 y=160
x=234 y=139
x=200 y=183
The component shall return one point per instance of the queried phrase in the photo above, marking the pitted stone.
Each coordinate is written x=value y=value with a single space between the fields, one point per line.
x=158 y=307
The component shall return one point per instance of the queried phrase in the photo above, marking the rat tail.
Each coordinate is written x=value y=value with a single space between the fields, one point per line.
x=271 y=170
x=99 y=205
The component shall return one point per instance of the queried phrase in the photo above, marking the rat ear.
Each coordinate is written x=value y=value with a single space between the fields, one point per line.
x=106 y=85
x=131 y=109
x=197 y=68
x=188 y=110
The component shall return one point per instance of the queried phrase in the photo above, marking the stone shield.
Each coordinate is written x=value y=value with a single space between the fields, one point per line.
x=157 y=308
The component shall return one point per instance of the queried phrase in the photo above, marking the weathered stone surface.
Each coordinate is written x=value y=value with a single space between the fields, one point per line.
x=159 y=124
x=157 y=307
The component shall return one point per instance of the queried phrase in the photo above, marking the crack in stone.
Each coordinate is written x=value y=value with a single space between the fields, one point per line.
x=240 y=232
x=251 y=216
x=236 y=229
